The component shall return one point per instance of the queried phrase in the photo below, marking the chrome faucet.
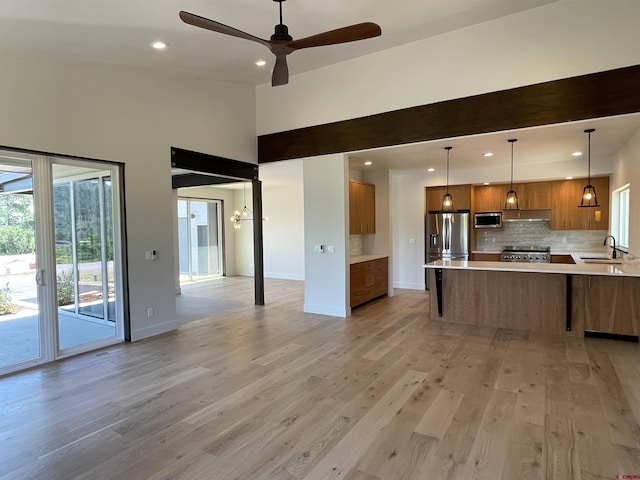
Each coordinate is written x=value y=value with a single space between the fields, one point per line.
x=613 y=255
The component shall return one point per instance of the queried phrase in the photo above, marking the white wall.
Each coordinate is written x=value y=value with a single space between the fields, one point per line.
x=559 y=40
x=133 y=118
x=283 y=204
x=627 y=170
x=407 y=213
x=326 y=223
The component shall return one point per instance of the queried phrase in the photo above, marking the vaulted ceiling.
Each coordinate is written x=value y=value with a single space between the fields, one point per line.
x=119 y=32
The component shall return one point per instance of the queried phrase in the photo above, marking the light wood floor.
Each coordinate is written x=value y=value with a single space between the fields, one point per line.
x=272 y=393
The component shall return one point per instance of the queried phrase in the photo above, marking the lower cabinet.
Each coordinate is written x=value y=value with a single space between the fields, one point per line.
x=369 y=280
x=607 y=304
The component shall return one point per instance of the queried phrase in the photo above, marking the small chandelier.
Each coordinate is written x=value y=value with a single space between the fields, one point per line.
x=243 y=214
x=447 y=199
x=512 y=197
x=589 y=197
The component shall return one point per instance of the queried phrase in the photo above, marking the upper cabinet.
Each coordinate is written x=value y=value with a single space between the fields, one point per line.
x=489 y=198
x=565 y=198
x=561 y=196
x=531 y=196
x=362 y=207
x=461 y=197
x=534 y=195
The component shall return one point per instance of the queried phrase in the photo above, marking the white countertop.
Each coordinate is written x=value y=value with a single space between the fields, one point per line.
x=364 y=258
x=628 y=268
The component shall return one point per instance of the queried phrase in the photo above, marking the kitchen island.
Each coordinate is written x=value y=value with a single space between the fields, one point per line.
x=581 y=298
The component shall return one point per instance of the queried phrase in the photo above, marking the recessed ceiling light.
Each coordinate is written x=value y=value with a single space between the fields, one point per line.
x=487 y=154
x=159 y=45
x=576 y=154
x=368 y=163
x=261 y=63
x=431 y=169
x=486 y=183
x=569 y=178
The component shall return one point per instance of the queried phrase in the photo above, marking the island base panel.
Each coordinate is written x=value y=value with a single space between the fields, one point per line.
x=535 y=302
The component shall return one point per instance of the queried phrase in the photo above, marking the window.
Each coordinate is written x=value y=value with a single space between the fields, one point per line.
x=620 y=220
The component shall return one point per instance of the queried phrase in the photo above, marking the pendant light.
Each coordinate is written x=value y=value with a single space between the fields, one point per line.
x=447 y=199
x=589 y=197
x=242 y=214
x=512 y=197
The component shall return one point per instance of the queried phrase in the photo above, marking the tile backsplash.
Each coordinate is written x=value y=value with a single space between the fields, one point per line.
x=540 y=233
x=355 y=245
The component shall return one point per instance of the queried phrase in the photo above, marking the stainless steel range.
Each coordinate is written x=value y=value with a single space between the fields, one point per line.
x=528 y=254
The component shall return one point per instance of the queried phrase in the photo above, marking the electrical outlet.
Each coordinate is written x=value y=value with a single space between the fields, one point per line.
x=149 y=312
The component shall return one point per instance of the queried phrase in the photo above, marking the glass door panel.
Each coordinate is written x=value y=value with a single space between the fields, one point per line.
x=199 y=239
x=20 y=332
x=83 y=219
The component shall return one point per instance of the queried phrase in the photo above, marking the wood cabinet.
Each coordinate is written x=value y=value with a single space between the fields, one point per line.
x=565 y=198
x=531 y=196
x=362 y=207
x=485 y=257
x=534 y=195
x=461 y=197
x=489 y=198
x=368 y=280
x=607 y=304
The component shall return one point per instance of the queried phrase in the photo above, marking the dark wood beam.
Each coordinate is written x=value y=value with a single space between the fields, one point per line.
x=212 y=164
x=603 y=94
x=197 y=179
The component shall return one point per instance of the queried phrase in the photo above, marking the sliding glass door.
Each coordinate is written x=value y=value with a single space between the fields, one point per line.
x=200 y=239
x=83 y=219
x=60 y=258
x=20 y=332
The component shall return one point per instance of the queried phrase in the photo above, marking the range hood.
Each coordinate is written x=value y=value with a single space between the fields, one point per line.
x=526 y=215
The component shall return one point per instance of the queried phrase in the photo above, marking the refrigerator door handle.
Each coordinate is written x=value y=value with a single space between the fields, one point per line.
x=447 y=233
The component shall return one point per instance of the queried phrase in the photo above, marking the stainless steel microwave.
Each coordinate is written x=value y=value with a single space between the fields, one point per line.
x=487 y=220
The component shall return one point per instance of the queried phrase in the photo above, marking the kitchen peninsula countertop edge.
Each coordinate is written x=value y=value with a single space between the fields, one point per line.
x=624 y=269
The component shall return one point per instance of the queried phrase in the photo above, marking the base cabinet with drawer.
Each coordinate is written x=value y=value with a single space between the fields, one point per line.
x=369 y=280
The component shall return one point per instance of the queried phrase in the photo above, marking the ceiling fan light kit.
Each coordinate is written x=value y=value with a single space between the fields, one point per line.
x=282 y=44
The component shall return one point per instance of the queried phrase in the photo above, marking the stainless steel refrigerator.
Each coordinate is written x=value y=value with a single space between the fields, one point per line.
x=447 y=237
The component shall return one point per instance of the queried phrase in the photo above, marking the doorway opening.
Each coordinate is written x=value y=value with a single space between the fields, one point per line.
x=200 y=239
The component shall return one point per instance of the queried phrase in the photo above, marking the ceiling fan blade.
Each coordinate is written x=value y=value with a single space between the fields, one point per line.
x=280 y=75
x=359 y=31
x=214 y=26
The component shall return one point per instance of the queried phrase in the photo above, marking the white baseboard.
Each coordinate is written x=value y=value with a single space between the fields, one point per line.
x=326 y=310
x=153 y=330
x=409 y=286
x=284 y=276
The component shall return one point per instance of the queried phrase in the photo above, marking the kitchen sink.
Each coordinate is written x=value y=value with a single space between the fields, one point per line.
x=600 y=259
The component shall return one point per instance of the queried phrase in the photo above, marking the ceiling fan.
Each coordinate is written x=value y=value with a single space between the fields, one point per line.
x=282 y=44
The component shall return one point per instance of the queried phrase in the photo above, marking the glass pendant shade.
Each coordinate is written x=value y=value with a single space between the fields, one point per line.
x=589 y=197
x=447 y=202
x=511 y=203
x=447 y=199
